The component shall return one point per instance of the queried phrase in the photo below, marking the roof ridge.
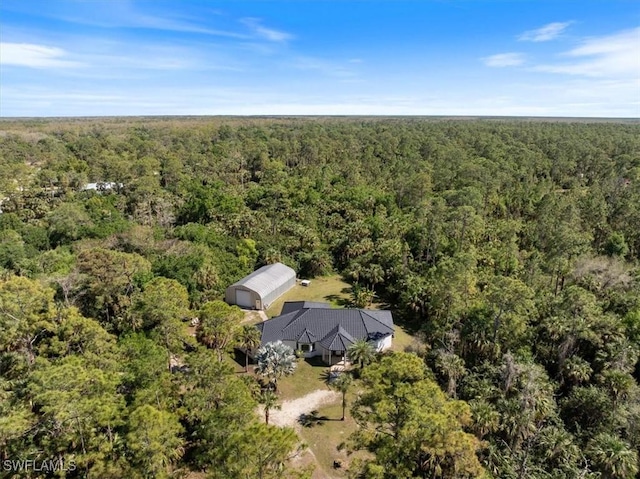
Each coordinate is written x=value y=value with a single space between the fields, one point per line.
x=298 y=315
x=343 y=332
x=365 y=312
x=340 y=333
x=261 y=270
x=333 y=332
x=309 y=334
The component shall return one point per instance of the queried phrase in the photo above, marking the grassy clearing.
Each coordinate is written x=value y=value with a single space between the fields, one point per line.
x=401 y=339
x=305 y=380
x=331 y=289
x=324 y=437
x=251 y=317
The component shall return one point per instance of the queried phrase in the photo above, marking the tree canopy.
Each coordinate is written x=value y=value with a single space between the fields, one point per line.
x=510 y=247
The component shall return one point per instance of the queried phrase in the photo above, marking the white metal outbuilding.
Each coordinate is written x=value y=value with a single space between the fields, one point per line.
x=262 y=287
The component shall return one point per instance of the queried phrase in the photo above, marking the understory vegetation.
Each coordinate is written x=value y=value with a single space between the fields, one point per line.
x=509 y=247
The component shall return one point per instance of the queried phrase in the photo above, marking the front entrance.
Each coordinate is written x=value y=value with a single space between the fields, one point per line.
x=333 y=356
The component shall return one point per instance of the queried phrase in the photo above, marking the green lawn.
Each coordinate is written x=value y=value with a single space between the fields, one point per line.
x=330 y=289
x=305 y=380
x=401 y=339
x=324 y=437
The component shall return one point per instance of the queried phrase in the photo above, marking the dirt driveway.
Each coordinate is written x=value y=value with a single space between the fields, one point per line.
x=293 y=409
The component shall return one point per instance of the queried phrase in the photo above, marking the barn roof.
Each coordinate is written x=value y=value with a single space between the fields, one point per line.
x=266 y=279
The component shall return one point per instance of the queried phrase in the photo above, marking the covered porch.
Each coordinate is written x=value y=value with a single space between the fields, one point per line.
x=335 y=345
x=331 y=357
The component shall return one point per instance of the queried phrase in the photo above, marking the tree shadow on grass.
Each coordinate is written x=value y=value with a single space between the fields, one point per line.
x=312 y=419
x=316 y=361
x=239 y=357
x=339 y=300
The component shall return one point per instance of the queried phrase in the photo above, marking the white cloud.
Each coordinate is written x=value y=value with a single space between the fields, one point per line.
x=255 y=24
x=159 y=23
x=325 y=67
x=611 y=56
x=504 y=60
x=579 y=97
x=34 y=56
x=546 y=33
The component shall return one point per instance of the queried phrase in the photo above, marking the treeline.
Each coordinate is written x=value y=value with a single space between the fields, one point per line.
x=510 y=247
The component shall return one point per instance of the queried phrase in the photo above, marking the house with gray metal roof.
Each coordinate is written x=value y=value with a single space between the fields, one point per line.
x=262 y=287
x=316 y=329
x=289 y=306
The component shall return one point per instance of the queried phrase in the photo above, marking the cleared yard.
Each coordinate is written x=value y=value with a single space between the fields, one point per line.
x=324 y=432
x=291 y=411
x=331 y=289
x=305 y=380
x=253 y=317
x=401 y=339
x=323 y=438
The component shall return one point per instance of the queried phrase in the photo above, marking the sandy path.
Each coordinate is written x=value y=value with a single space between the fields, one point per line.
x=251 y=316
x=292 y=410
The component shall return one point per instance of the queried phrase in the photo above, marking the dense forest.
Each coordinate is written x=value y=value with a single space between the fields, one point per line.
x=510 y=247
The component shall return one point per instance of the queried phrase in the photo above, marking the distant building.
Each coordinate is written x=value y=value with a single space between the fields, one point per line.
x=316 y=329
x=262 y=287
x=102 y=186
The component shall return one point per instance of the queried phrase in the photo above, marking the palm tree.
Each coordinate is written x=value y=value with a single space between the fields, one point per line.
x=576 y=370
x=248 y=339
x=558 y=448
x=485 y=418
x=272 y=256
x=361 y=297
x=613 y=457
x=361 y=352
x=274 y=361
x=269 y=401
x=218 y=326
x=618 y=383
x=374 y=275
x=452 y=366
x=342 y=383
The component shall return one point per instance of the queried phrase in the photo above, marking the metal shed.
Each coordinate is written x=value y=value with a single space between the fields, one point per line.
x=262 y=287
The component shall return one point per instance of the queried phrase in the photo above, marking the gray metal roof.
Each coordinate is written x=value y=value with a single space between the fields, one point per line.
x=290 y=306
x=338 y=339
x=325 y=324
x=266 y=279
x=307 y=337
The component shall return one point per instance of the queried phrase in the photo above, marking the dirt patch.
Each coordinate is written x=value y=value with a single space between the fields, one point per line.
x=292 y=410
x=253 y=317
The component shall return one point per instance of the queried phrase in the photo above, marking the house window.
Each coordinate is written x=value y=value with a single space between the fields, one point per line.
x=305 y=347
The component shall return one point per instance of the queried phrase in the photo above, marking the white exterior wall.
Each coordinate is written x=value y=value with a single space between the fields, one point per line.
x=383 y=343
x=317 y=349
x=291 y=344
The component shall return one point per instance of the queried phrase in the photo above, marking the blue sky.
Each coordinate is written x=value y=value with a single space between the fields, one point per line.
x=340 y=57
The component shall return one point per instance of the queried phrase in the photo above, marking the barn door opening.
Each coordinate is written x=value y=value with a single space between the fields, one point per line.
x=243 y=299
